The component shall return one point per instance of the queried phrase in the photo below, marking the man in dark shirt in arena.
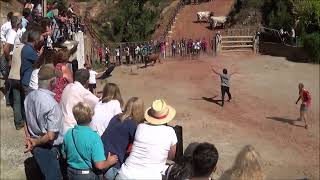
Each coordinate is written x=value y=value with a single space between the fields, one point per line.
x=225 y=84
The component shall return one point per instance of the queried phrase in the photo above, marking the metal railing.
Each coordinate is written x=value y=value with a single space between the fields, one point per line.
x=172 y=19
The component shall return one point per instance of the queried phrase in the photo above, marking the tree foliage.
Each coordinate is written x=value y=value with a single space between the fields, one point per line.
x=131 y=20
x=303 y=15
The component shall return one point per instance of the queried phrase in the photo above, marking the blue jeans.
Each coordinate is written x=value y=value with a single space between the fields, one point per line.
x=111 y=173
x=16 y=101
x=48 y=162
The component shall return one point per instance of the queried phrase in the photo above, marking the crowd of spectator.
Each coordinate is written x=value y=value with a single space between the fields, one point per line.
x=132 y=53
x=68 y=127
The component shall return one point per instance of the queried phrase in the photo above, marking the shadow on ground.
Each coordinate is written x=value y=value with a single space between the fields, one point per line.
x=210 y=99
x=291 y=53
x=286 y=120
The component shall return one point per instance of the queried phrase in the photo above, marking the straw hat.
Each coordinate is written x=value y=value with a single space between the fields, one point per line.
x=159 y=113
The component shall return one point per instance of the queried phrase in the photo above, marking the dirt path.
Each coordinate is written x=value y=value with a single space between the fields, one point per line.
x=186 y=27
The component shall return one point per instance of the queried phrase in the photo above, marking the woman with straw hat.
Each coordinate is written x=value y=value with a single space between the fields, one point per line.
x=154 y=143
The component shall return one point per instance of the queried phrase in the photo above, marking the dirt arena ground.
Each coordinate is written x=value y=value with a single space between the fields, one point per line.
x=262 y=112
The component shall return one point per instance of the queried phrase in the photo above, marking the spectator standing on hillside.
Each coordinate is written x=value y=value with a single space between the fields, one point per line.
x=83 y=148
x=64 y=74
x=5 y=28
x=25 y=15
x=163 y=49
x=137 y=52
x=107 y=57
x=144 y=53
x=46 y=58
x=225 y=84
x=173 y=48
x=127 y=53
x=109 y=106
x=218 y=40
x=16 y=93
x=293 y=36
x=44 y=125
x=247 y=166
x=121 y=131
x=204 y=45
x=29 y=5
x=154 y=143
x=74 y=93
x=100 y=54
x=29 y=56
x=305 y=97
x=281 y=33
x=9 y=45
x=118 y=58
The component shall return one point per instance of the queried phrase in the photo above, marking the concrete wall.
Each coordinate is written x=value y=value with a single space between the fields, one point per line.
x=295 y=54
x=80 y=49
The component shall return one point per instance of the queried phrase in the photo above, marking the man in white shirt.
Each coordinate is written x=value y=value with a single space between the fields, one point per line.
x=5 y=28
x=136 y=51
x=74 y=93
x=11 y=38
x=293 y=36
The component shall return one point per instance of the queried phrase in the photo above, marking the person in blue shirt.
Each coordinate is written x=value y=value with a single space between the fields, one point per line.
x=29 y=56
x=83 y=148
x=121 y=131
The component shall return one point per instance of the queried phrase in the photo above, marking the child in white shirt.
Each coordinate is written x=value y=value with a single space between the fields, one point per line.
x=92 y=80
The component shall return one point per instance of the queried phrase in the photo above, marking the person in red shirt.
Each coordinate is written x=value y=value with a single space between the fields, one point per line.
x=305 y=98
x=100 y=54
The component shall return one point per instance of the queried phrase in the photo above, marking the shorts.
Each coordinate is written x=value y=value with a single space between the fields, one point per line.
x=303 y=108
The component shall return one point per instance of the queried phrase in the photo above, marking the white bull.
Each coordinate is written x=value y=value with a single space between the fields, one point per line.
x=204 y=15
x=217 y=20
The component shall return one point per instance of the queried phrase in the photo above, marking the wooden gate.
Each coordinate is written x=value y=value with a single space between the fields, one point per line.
x=235 y=40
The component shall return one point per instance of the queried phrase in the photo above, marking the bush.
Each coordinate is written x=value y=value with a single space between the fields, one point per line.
x=311 y=43
x=278 y=14
x=130 y=20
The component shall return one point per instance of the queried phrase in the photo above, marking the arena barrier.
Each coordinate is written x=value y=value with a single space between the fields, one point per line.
x=237 y=40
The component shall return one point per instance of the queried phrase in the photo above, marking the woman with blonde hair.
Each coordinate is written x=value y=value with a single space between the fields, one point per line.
x=247 y=166
x=109 y=106
x=120 y=132
x=83 y=148
x=64 y=73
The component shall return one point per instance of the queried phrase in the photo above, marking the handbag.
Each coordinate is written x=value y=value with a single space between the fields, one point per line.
x=95 y=171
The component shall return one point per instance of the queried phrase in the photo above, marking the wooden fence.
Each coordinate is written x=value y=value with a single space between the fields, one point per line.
x=171 y=21
x=237 y=40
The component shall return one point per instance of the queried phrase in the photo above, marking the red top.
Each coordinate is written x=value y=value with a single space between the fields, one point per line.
x=60 y=84
x=306 y=99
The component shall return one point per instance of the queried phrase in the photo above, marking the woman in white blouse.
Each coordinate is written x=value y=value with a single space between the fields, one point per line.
x=154 y=143
x=109 y=106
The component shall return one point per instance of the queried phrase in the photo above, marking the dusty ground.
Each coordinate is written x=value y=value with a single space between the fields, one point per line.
x=186 y=25
x=264 y=91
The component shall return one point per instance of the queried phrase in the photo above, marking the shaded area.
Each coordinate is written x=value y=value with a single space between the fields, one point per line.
x=209 y=99
x=286 y=120
x=291 y=53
